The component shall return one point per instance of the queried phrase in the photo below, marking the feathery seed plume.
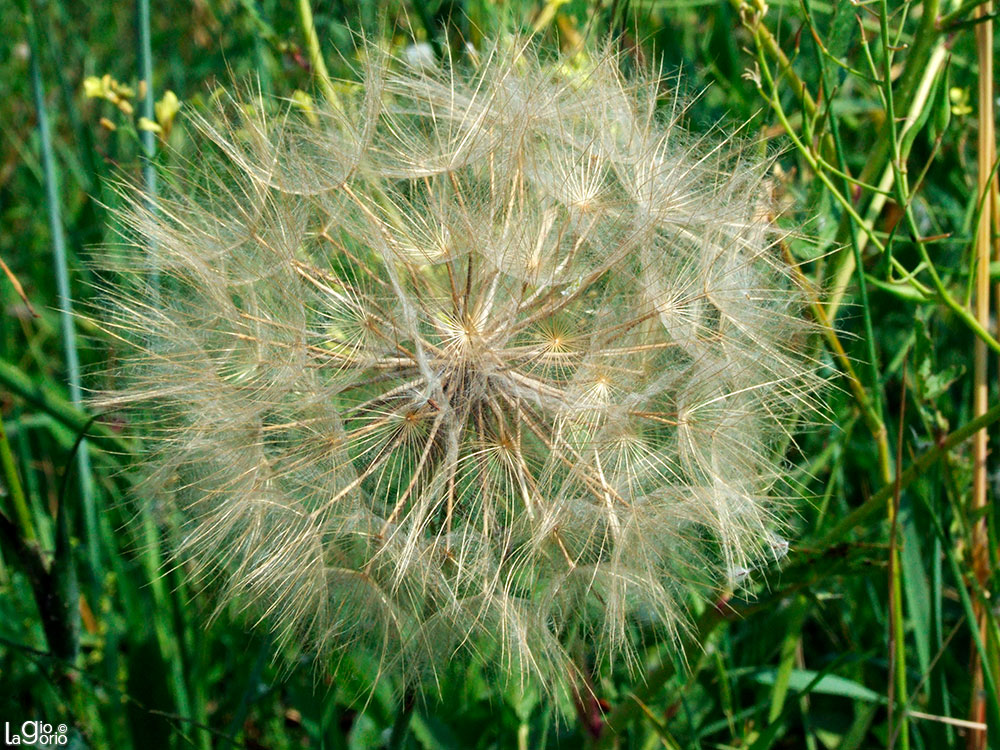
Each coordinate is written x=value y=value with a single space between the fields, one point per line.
x=490 y=359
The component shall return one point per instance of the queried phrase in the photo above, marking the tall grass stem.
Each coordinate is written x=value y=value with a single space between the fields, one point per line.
x=316 y=52
x=147 y=137
x=66 y=319
x=986 y=148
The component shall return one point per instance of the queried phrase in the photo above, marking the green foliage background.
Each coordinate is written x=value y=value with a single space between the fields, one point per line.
x=861 y=638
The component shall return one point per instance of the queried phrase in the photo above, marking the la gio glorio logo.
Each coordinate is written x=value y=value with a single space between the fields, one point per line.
x=34 y=734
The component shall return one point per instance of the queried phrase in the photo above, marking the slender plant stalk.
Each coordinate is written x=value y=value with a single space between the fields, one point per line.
x=943 y=295
x=18 y=288
x=990 y=692
x=917 y=67
x=870 y=404
x=926 y=45
x=870 y=411
x=147 y=137
x=952 y=17
x=898 y=691
x=883 y=192
x=980 y=537
x=876 y=502
x=49 y=401
x=752 y=15
x=85 y=478
x=12 y=483
x=918 y=54
x=316 y=53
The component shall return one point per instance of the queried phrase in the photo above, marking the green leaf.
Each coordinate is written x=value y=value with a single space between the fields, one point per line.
x=940 y=105
x=902 y=291
x=432 y=733
x=931 y=382
x=793 y=635
x=365 y=734
x=842 y=29
x=918 y=598
x=910 y=134
x=800 y=680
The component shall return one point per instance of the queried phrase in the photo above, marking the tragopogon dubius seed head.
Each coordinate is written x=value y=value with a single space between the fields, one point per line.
x=490 y=358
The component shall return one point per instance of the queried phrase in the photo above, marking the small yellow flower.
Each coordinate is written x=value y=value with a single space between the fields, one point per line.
x=94 y=87
x=959 y=98
x=106 y=87
x=166 y=110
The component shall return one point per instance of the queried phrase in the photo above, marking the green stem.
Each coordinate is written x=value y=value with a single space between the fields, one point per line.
x=943 y=294
x=874 y=421
x=876 y=502
x=316 y=53
x=870 y=410
x=754 y=24
x=11 y=480
x=66 y=318
x=147 y=137
x=897 y=643
x=944 y=22
x=961 y=585
x=917 y=64
x=48 y=400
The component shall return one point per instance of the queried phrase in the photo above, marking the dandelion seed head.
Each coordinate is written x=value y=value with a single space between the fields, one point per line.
x=490 y=359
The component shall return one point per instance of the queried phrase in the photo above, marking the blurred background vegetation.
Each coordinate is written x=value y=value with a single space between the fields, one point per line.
x=877 y=630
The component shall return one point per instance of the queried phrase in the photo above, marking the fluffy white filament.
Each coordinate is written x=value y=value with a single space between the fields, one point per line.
x=487 y=361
